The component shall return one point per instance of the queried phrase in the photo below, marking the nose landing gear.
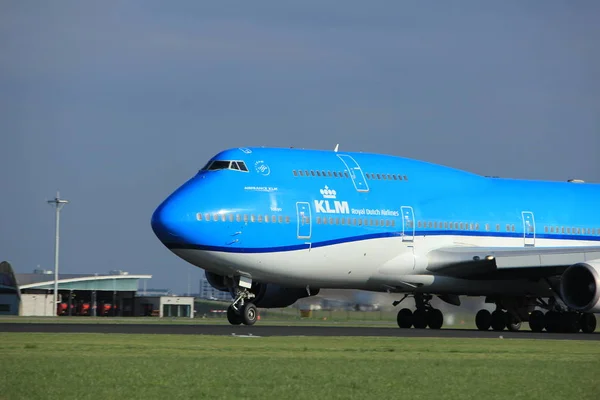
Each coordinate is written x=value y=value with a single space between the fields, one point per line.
x=242 y=310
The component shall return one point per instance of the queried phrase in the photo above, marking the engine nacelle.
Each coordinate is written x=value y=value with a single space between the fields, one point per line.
x=274 y=296
x=217 y=281
x=580 y=286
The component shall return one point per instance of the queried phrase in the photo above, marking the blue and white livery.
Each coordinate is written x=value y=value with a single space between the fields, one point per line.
x=274 y=225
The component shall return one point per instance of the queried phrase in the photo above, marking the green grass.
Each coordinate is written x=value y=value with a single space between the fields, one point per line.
x=97 y=366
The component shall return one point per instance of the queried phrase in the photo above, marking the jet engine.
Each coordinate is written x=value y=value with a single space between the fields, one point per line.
x=217 y=281
x=580 y=286
x=269 y=295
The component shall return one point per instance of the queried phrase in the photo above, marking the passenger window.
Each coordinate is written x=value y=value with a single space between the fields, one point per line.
x=335 y=174
x=230 y=217
x=395 y=177
x=273 y=218
x=337 y=221
x=346 y=174
x=295 y=172
x=497 y=227
x=266 y=219
x=238 y=217
x=318 y=173
x=287 y=219
x=252 y=218
x=546 y=229
x=393 y=222
x=419 y=224
x=399 y=177
x=306 y=172
x=323 y=173
x=324 y=220
x=199 y=216
x=281 y=219
x=384 y=177
x=245 y=217
x=329 y=174
x=301 y=173
x=445 y=225
x=513 y=228
x=487 y=227
x=378 y=176
x=343 y=221
x=318 y=220
x=462 y=226
x=207 y=217
x=507 y=227
x=312 y=172
x=381 y=222
x=260 y=218
x=330 y=220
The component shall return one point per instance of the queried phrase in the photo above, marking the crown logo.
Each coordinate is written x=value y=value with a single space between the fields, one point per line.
x=328 y=193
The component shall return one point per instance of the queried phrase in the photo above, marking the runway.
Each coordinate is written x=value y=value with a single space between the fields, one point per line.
x=280 y=330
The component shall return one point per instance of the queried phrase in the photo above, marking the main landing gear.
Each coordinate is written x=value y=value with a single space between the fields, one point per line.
x=242 y=310
x=510 y=313
x=424 y=316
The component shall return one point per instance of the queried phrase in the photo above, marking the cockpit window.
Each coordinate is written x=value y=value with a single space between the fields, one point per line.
x=224 y=164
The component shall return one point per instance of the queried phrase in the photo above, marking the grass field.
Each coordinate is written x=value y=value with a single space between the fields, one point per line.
x=97 y=366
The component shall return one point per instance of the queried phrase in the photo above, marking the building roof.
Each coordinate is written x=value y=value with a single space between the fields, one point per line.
x=80 y=281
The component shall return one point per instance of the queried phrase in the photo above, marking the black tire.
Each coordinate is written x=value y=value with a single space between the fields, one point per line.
x=498 y=320
x=552 y=321
x=570 y=322
x=588 y=323
x=483 y=320
x=405 y=318
x=512 y=324
x=536 y=321
x=435 y=319
x=233 y=317
x=249 y=314
x=420 y=319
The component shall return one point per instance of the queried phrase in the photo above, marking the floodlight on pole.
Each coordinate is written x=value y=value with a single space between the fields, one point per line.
x=58 y=203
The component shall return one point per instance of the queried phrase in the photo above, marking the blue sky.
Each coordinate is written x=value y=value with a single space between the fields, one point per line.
x=116 y=104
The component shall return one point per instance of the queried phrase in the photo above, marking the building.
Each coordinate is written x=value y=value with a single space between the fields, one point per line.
x=164 y=306
x=110 y=294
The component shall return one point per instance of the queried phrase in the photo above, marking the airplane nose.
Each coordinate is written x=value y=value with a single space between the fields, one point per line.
x=169 y=221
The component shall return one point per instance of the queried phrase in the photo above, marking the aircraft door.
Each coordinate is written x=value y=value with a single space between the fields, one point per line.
x=528 y=228
x=304 y=219
x=356 y=174
x=408 y=224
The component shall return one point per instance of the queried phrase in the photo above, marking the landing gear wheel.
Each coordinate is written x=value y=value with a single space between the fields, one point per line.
x=536 y=321
x=512 y=324
x=249 y=314
x=233 y=317
x=498 y=320
x=405 y=318
x=552 y=321
x=483 y=320
x=570 y=322
x=435 y=318
x=588 y=323
x=420 y=319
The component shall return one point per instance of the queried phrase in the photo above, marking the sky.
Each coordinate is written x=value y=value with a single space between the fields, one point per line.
x=117 y=104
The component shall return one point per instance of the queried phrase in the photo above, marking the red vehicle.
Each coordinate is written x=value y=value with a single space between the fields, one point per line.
x=62 y=309
x=104 y=309
x=84 y=309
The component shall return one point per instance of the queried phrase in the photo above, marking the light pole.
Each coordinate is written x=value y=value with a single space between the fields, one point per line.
x=58 y=203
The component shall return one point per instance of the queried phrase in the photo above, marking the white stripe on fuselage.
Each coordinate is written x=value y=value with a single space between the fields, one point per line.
x=368 y=265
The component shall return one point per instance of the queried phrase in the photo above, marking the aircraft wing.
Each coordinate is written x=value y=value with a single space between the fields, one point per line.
x=507 y=262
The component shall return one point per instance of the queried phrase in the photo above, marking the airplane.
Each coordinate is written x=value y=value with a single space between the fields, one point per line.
x=274 y=225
